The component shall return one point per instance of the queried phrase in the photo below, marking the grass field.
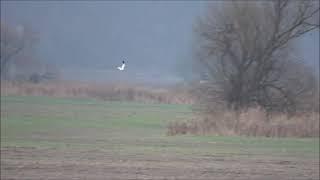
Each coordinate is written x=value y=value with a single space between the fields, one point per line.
x=45 y=137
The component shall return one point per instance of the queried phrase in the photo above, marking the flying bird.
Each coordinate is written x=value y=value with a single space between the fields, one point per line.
x=121 y=68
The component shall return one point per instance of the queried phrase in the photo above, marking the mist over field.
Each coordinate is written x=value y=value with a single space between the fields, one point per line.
x=88 y=40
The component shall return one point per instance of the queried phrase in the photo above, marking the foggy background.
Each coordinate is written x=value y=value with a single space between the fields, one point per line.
x=88 y=40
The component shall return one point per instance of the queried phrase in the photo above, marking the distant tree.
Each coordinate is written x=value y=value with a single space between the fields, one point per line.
x=15 y=42
x=51 y=72
x=245 y=53
x=35 y=78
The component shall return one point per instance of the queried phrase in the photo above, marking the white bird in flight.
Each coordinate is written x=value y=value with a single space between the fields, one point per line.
x=121 y=68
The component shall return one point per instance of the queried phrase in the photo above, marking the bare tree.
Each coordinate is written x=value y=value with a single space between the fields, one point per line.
x=245 y=49
x=14 y=42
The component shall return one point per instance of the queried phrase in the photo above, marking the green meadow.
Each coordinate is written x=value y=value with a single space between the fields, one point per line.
x=126 y=128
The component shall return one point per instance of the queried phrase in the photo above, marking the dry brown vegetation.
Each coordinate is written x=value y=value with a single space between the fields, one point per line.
x=253 y=122
x=110 y=91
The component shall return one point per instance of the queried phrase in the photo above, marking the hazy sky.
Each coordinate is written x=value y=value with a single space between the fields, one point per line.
x=89 y=39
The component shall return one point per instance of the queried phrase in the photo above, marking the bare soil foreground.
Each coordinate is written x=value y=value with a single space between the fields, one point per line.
x=50 y=138
x=34 y=163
